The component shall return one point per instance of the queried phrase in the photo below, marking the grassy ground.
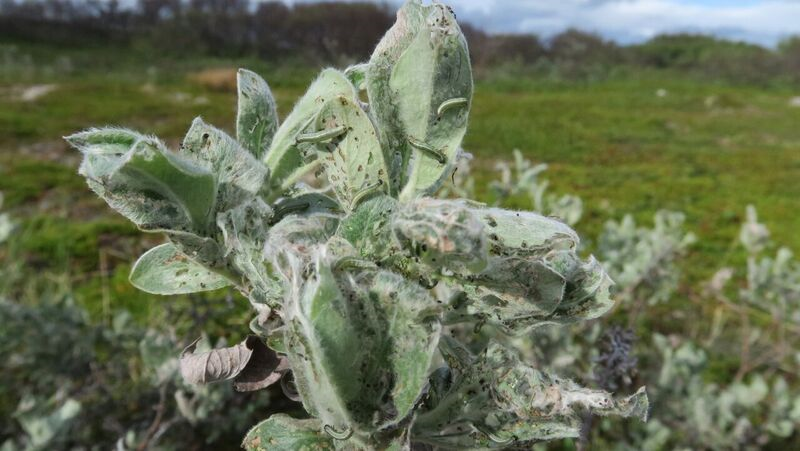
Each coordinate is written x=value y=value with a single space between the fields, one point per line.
x=701 y=147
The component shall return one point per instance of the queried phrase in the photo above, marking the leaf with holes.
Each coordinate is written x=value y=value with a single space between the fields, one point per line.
x=420 y=82
x=286 y=154
x=239 y=174
x=353 y=161
x=493 y=400
x=257 y=117
x=165 y=270
x=281 y=431
x=148 y=184
x=360 y=343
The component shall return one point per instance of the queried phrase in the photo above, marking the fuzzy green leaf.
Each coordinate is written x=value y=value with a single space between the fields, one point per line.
x=368 y=227
x=525 y=231
x=286 y=154
x=109 y=141
x=239 y=174
x=353 y=162
x=244 y=232
x=443 y=234
x=282 y=432
x=357 y=74
x=360 y=345
x=305 y=204
x=433 y=79
x=411 y=334
x=519 y=293
x=318 y=336
x=145 y=182
x=257 y=118
x=495 y=401
x=165 y=270
x=587 y=293
x=531 y=276
x=517 y=287
x=410 y=17
x=202 y=249
x=420 y=84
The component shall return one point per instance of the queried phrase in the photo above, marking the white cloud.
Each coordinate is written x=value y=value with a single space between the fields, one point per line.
x=763 y=22
x=760 y=21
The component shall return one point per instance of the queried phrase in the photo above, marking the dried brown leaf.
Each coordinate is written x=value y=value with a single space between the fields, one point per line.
x=251 y=364
x=264 y=369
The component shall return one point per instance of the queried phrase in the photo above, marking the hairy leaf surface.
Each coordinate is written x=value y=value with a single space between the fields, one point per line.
x=240 y=176
x=281 y=431
x=353 y=161
x=145 y=182
x=361 y=343
x=165 y=270
x=420 y=83
x=257 y=117
x=493 y=401
x=286 y=154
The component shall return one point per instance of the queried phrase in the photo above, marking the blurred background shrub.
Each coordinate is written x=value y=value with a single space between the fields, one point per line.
x=339 y=33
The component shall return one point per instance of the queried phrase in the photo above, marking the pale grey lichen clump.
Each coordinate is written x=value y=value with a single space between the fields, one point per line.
x=342 y=275
x=6 y=225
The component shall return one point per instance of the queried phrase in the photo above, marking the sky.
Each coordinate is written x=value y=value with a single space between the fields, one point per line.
x=763 y=22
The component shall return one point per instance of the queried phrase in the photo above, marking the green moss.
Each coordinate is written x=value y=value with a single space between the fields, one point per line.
x=704 y=148
x=51 y=241
x=26 y=179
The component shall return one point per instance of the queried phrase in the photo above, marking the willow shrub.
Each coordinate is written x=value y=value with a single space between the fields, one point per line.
x=324 y=221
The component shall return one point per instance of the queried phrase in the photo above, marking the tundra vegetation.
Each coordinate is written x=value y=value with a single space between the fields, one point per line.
x=753 y=332
x=319 y=257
